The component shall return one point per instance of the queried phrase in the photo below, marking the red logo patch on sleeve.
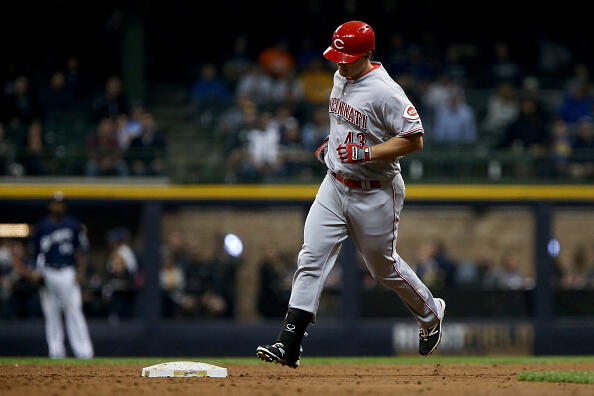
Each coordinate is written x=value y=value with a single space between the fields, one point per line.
x=410 y=113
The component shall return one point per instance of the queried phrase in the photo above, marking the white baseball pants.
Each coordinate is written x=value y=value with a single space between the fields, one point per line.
x=62 y=294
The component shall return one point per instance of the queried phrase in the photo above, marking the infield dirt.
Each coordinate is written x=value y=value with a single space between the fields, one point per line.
x=314 y=379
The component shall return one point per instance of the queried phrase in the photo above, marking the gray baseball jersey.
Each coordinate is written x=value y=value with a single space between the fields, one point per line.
x=369 y=110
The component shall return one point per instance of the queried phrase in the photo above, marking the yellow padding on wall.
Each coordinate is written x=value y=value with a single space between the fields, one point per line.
x=437 y=192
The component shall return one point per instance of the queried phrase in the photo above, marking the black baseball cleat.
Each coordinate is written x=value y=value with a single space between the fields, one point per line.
x=277 y=353
x=430 y=338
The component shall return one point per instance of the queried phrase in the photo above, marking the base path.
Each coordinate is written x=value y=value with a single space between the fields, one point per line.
x=313 y=379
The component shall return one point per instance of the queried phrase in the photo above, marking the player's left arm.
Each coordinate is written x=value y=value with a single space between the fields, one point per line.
x=81 y=266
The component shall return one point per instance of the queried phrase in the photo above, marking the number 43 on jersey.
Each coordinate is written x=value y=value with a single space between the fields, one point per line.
x=359 y=136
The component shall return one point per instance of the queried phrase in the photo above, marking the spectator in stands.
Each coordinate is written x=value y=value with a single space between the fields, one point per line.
x=582 y=145
x=585 y=134
x=315 y=132
x=531 y=88
x=236 y=142
x=472 y=271
x=238 y=62
x=209 y=90
x=580 y=274
x=581 y=75
x=529 y=131
x=503 y=68
x=277 y=60
x=118 y=240
x=198 y=273
x=294 y=157
x=18 y=297
x=113 y=102
x=76 y=83
x=439 y=92
x=121 y=267
x=445 y=263
x=560 y=147
x=176 y=246
x=21 y=105
x=577 y=103
x=6 y=278
x=262 y=151
x=255 y=85
x=454 y=122
x=105 y=157
x=233 y=118
x=502 y=109
x=317 y=82
x=147 y=151
x=286 y=90
x=507 y=275
x=205 y=282
x=7 y=155
x=273 y=295
x=283 y=118
x=227 y=266
x=130 y=127
x=34 y=156
x=427 y=267
x=173 y=283
x=56 y=98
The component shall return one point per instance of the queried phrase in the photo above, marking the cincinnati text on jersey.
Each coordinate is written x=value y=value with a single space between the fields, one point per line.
x=348 y=113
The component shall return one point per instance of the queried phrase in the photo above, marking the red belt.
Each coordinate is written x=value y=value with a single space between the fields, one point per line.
x=358 y=183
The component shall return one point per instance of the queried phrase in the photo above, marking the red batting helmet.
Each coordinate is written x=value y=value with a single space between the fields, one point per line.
x=350 y=41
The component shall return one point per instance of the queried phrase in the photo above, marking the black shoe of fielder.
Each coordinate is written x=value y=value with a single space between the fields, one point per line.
x=277 y=353
x=430 y=338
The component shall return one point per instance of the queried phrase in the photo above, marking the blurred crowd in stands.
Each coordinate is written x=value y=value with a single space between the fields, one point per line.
x=63 y=123
x=194 y=283
x=199 y=282
x=263 y=112
x=271 y=109
x=109 y=286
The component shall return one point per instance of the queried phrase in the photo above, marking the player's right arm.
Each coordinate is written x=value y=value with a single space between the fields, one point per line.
x=397 y=147
x=404 y=123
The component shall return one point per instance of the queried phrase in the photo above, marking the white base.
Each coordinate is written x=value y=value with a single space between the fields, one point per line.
x=184 y=370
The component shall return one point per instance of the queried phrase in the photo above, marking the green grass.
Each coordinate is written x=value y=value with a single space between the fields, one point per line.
x=314 y=360
x=576 y=377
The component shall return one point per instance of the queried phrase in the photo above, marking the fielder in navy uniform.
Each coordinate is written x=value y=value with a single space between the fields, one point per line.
x=59 y=246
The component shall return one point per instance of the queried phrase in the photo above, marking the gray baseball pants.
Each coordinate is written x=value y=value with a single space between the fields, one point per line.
x=370 y=217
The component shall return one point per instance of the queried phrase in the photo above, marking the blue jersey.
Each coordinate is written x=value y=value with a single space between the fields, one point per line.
x=55 y=243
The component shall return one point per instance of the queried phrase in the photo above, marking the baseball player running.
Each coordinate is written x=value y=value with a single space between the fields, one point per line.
x=58 y=244
x=372 y=125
